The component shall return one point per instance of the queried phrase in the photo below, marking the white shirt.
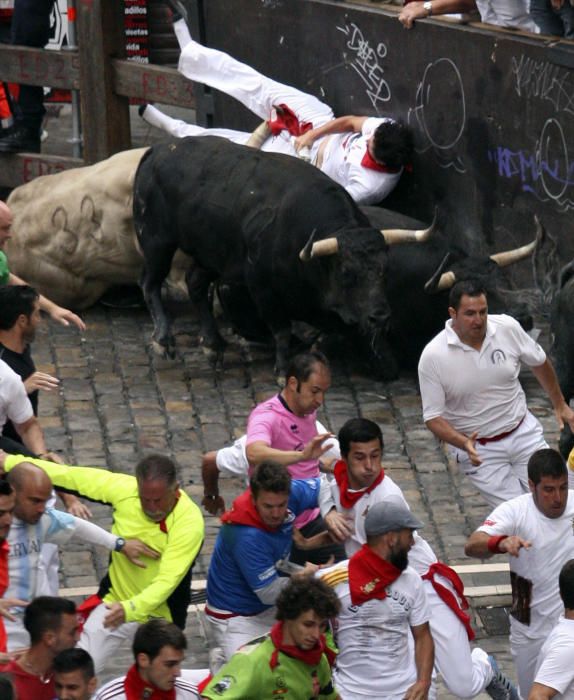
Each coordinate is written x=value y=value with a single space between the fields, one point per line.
x=421 y=555
x=507 y=13
x=535 y=571
x=14 y=402
x=25 y=542
x=185 y=687
x=375 y=657
x=478 y=390
x=342 y=163
x=556 y=660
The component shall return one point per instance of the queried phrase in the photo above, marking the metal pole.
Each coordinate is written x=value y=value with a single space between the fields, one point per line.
x=76 y=139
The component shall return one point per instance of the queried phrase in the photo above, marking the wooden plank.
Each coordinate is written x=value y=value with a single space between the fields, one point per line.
x=152 y=83
x=479 y=591
x=105 y=115
x=21 y=64
x=19 y=168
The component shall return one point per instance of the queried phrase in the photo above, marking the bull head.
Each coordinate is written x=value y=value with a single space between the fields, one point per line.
x=445 y=280
x=401 y=235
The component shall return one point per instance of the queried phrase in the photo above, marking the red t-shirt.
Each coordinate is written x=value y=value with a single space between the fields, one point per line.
x=29 y=687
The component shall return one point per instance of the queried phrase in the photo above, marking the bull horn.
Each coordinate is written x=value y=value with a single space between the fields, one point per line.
x=509 y=257
x=441 y=280
x=318 y=249
x=402 y=235
x=259 y=136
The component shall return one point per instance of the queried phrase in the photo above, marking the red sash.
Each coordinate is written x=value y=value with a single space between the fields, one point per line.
x=311 y=657
x=348 y=499
x=458 y=606
x=137 y=689
x=369 y=575
x=286 y=119
x=244 y=512
x=370 y=163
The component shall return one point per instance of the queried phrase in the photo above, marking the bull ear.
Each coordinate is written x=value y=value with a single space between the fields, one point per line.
x=318 y=249
x=402 y=235
x=441 y=280
x=509 y=257
x=259 y=136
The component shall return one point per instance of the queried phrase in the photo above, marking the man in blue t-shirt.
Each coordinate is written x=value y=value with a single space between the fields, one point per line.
x=243 y=581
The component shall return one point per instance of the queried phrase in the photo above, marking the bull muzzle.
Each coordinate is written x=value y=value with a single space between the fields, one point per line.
x=393 y=236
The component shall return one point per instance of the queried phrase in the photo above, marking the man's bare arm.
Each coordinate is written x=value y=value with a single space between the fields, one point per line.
x=335 y=126
x=541 y=692
x=415 y=10
x=477 y=545
x=424 y=660
x=547 y=379
x=260 y=451
x=32 y=435
x=445 y=432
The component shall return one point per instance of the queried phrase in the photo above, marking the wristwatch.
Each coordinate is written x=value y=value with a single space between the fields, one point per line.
x=427 y=6
x=120 y=542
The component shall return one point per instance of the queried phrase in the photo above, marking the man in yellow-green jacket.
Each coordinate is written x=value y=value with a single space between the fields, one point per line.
x=152 y=508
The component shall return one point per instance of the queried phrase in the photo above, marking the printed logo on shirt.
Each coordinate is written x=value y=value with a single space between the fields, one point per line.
x=311 y=483
x=489 y=522
x=281 y=686
x=23 y=549
x=267 y=573
x=294 y=428
x=399 y=598
x=498 y=357
x=223 y=685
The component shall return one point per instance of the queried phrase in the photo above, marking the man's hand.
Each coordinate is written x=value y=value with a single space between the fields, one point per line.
x=322 y=539
x=3 y=456
x=41 y=380
x=134 y=549
x=339 y=527
x=213 y=505
x=304 y=141
x=65 y=317
x=418 y=691
x=74 y=506
x=7 y=603
x=410 y=12
x=471 y=450
x=315 y=448
x=513 y=545
x=564 y=414
x=115 y=617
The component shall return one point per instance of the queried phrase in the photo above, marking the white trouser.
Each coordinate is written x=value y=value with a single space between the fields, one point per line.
x=503 y=473
x=525 y=654
x=102 y=642
x=226 y=636
x=464 y=673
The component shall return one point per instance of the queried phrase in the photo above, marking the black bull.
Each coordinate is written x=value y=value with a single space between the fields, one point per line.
x=246 y=218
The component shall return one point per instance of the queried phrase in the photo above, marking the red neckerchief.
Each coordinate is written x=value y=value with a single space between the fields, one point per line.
x=162 y=524
x=137 y=689
x=244 y=512
x=458 y=606
x=347 y=498
x=370 y=163
x=311 y=657
x=287 y=119
x=369 y=575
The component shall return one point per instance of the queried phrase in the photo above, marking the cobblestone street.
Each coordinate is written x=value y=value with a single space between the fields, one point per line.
x=117 y=401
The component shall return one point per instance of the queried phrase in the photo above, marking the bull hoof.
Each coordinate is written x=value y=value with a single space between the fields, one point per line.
x=164 y=351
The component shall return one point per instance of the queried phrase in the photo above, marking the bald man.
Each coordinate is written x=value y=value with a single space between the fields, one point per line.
x=34 y=524
x=58 y=313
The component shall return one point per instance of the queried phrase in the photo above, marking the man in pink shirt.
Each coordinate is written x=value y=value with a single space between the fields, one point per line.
x=282 y=429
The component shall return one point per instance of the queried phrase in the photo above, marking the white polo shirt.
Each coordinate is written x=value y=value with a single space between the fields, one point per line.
x=342 y=163
x=375 y=657
x=478 y=390
x=534 y=573
x=14 y=402
x=556 y=660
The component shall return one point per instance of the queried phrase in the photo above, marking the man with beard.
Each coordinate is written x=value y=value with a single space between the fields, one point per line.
x=151 y=506
x=360 y=482
x=473 y=400
x=535 y=529
x=158 y=648
x=293 y=658
x=383 y=602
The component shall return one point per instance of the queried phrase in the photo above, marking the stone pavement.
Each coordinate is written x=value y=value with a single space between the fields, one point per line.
x=117 y=401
